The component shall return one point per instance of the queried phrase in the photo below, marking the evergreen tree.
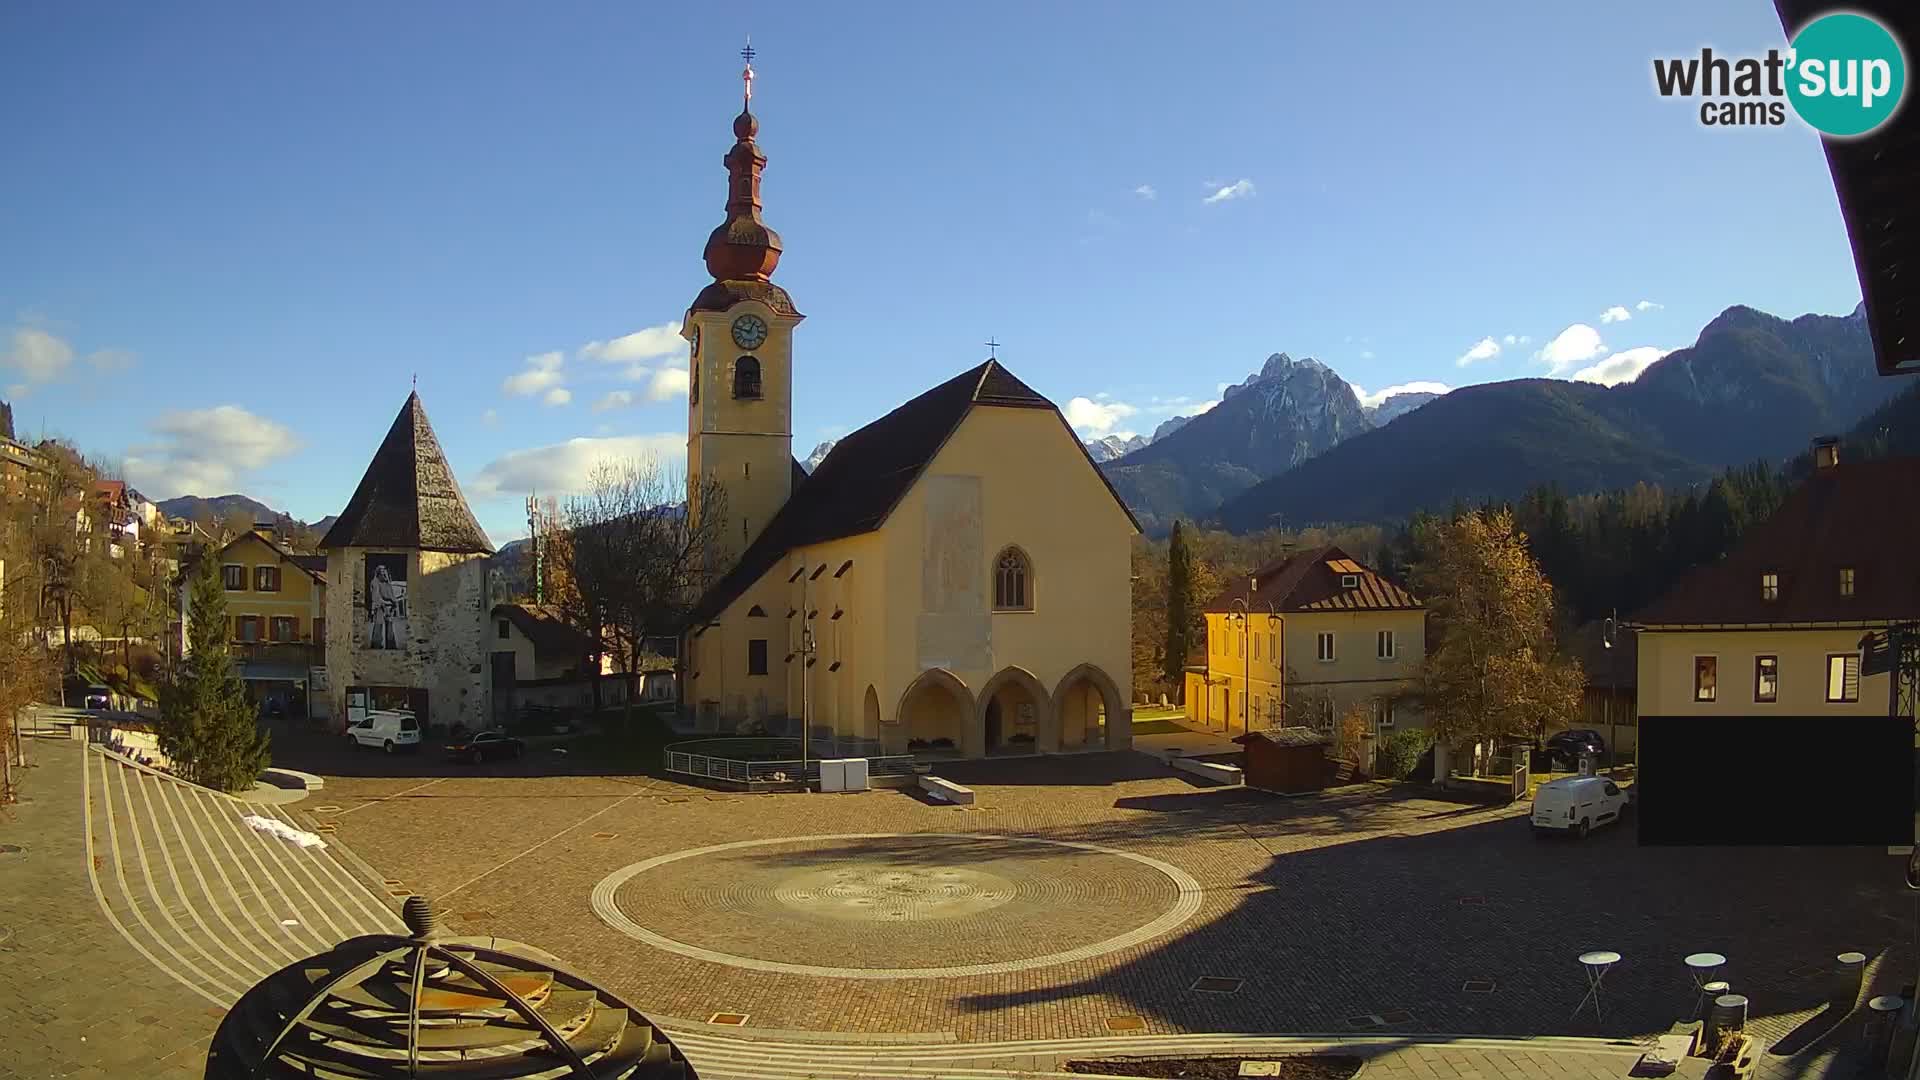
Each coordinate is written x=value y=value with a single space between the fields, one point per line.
x=207 y=727
x=1173 y=661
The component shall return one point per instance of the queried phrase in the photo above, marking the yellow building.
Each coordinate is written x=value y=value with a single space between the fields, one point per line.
x=276 y=614
x=1775 y=627
x=1304 y=639
x=952 y=578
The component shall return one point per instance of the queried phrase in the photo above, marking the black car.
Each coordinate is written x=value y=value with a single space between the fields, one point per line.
x=485 y=746
x=1570 y=744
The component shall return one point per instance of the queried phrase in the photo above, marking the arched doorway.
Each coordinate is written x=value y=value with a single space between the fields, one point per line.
x=870 y=715
x=1092 y=713
x=1015 y=717
x=932 y=718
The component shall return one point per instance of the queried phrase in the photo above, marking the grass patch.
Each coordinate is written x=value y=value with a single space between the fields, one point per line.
x=1156 y=727
x=1155 y=712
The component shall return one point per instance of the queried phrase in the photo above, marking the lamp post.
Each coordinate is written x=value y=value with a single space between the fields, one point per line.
x=1607 y=631
x=1246 y=665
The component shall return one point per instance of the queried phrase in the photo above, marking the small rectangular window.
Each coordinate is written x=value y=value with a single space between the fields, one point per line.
x=1846 y=581
x=283 y=628
x=1349 y=581
x=1843 y=677
x=1766 y=679
x=266 y=579
x=248 y=627
x=1323 y=646
x=234 y=577
x=502 y=629
x=1384 y=645
x=757 y=656
x=1769 y=586
x=1706 y=678
x=1256 y=646
x=1385 y=712
x=1273 y=646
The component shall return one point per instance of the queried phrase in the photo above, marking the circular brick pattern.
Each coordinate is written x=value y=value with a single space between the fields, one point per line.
x=897 y=906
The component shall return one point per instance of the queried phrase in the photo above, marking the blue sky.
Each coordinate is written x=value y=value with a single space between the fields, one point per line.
x=233 y=233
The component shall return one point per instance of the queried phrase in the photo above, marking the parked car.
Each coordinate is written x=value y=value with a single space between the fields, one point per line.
x=485 y=746
x=390 y=731
x=1577 y=804
x=1570 y=744
x=98 y=699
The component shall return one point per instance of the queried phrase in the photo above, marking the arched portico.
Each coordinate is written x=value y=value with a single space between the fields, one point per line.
x=933 y=716
x=1013 y=715
x=870 y=714
x=1090 y=711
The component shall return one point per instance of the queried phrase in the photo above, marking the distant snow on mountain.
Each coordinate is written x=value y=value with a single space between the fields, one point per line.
x=812 y=461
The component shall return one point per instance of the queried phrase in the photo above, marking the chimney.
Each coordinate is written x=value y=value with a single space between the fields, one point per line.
x=263 y=529
x=1826 y=452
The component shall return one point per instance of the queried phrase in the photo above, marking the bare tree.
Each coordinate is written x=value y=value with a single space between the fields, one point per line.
x=636 y=560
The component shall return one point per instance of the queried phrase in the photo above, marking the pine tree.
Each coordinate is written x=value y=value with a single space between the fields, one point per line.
x=207 y=727
x=1173 y=661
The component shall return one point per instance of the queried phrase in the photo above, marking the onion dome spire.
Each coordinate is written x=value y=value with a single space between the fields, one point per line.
x=743 y=248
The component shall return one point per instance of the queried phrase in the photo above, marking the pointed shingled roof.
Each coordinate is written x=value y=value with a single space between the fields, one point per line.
x=866 y=474
x=409 y=498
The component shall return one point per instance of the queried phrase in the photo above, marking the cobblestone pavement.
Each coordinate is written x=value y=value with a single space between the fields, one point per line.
x=1367 y=909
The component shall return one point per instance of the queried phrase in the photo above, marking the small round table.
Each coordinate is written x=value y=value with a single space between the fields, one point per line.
x=1703 y=967
x=1596 y=964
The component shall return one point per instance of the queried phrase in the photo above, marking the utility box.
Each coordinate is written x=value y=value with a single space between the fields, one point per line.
x=856 y=774
x=833 y=774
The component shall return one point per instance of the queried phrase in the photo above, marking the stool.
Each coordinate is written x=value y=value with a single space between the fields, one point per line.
x=1703 y=968
x=1596 y=964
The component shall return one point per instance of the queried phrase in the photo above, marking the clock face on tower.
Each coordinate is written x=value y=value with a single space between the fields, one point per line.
x=749 y=331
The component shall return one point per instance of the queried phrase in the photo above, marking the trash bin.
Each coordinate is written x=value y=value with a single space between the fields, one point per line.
x=1883 y=1015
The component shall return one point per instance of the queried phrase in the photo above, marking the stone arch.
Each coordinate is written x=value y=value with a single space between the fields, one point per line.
x=935 y=705
x=1069 y=697
x=1006 y=687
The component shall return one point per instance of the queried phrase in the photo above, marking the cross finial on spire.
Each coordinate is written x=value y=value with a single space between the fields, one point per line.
x=416 y=380
x=993 y=349
x=746 y=73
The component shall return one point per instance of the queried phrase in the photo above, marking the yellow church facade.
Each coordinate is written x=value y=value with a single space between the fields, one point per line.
x=952 y=580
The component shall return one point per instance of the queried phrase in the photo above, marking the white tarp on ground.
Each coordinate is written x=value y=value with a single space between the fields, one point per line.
x=284 y=831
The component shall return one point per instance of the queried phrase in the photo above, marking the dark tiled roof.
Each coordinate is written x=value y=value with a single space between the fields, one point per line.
x=312 y=564
x=1304 y=582
x=1860 y=515
x=721 y=295
x=867 y=473
x=1286 y=736
x=408 y=498
x=1875 y=177
x=546 y=626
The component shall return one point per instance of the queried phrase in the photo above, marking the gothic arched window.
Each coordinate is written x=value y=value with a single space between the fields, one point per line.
x=1012 y=581
x=746 y=377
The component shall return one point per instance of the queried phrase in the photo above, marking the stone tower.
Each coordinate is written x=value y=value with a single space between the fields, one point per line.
x=740 y=327
x=407 y=602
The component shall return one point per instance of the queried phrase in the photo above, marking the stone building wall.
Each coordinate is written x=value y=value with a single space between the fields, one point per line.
x=444 y=650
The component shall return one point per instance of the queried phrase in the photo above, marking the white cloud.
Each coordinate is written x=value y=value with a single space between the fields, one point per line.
x=614 y=399
x=543 y=373
x=1372 y=400
x=491 y=418
x=1623 y=366
x=205 y=451
x=564 y=468
x=1366 y=354
x=1097 y=417
x=111 y=359
x=1576 y=345
x=1648 y=305
x=647 y=344
x=559 y=395
x=1239 y=189
x=1616 y=313
x=1517 y=339
x=1484 y=349
x=667 y=384
x=1146 y=191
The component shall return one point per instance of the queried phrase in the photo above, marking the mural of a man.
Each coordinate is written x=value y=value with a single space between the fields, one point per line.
x=386 y=604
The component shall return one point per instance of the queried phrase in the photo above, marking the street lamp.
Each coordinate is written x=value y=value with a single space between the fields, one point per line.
x=1246 y=665
x=1607 y=631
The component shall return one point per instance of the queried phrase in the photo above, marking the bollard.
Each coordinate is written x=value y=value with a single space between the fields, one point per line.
x=1849 y=975
x=1883 y=1012
x=1726 y=1014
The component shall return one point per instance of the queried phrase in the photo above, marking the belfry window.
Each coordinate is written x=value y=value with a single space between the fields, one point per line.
x=1012 y=581
x=746 y=377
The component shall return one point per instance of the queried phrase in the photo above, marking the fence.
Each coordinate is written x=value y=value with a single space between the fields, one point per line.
x=746 y=766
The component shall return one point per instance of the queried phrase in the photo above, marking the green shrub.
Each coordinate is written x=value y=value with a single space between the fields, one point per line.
x=1400 y=751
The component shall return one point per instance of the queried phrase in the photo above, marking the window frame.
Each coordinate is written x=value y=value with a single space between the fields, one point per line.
x=1770 y=586
x=502 y=630
x=1843 y=699
x=266 y=578
x=1848 y=583
x=290 y=622
x=1384 y=717
x=1386 y=645
x=1325 y=649
x=228 y=572
x=1024 y=578
x=748 y=387
x=1711 y=693
x=757 y=664
x=1774 y=697
x=241 y=623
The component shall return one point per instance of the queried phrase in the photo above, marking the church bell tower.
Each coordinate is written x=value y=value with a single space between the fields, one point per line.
x=740 y=327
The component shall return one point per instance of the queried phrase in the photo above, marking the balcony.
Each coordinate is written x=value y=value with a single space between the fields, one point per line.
x=277 y=653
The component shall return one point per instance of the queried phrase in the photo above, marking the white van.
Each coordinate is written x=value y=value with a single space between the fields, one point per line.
x=390 y=731
x=1576 y=804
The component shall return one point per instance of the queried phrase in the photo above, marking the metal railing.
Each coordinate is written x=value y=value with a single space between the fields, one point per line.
x=743 y=766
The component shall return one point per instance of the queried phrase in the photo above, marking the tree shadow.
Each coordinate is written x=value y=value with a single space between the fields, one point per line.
x=603 y=753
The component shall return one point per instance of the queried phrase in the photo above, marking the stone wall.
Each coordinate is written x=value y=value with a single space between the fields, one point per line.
x=445 y=648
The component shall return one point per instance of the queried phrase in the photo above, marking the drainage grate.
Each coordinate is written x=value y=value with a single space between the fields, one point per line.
x=326 y=809
x=1215 y=984
x=1367 y=1021
x=391 y=883
x=678 y=798
x=1477 y=986
x=400 y=894
x=1125 y=1023
x=719 y=798
x=326 y=826
x=730 y=1019
x=605 y=835
x=1396 y=1016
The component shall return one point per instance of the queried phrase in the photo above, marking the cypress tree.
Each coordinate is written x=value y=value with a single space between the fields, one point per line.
x=1173 y=662
x=207 y=727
